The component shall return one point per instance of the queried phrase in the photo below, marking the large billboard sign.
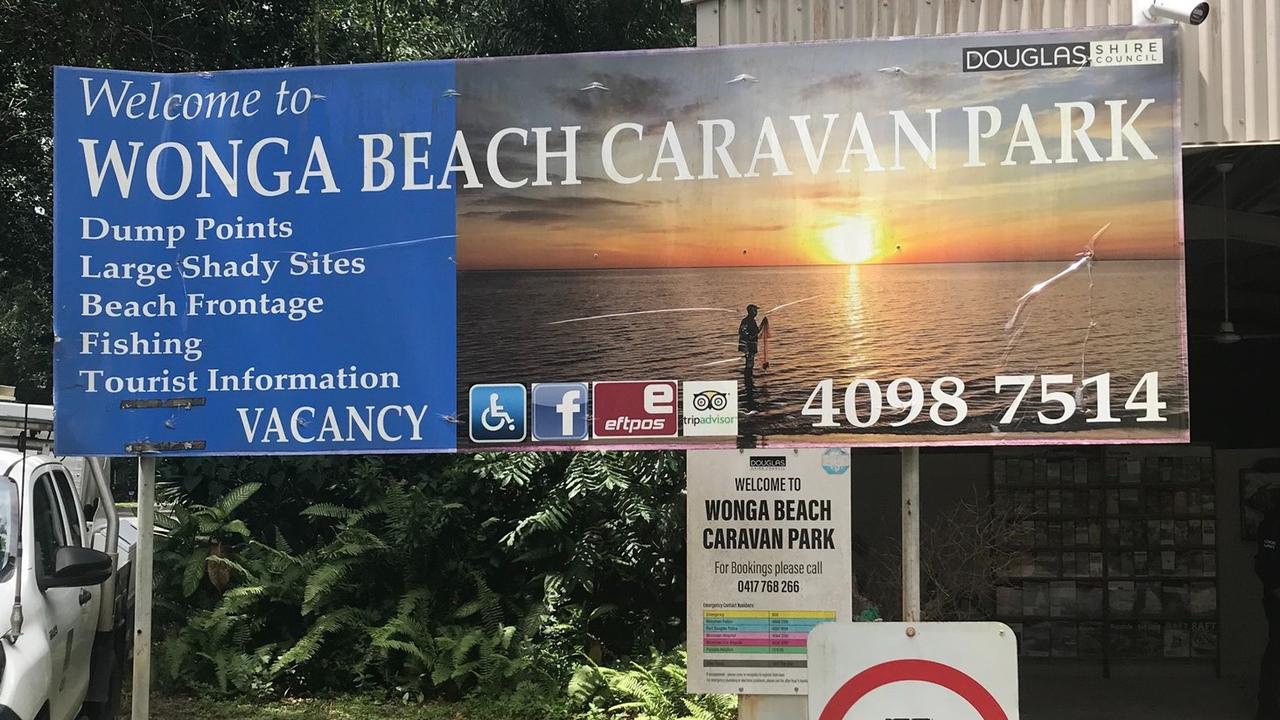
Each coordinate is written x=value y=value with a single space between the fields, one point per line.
x=926 y=241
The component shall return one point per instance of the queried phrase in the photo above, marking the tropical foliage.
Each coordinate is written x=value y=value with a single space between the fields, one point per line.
x=432 y=579
x=653 y=690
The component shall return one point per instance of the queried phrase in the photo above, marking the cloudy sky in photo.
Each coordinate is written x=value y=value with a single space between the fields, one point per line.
x=916 y=214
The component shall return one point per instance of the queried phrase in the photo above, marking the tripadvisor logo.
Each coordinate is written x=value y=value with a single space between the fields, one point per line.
x=710 y=408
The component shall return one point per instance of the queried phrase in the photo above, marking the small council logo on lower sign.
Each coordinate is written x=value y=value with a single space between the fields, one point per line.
x=768 y=461
x=835 y=461
x=711 y=408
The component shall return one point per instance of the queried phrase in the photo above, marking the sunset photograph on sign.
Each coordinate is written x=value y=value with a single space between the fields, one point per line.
x=802 y=222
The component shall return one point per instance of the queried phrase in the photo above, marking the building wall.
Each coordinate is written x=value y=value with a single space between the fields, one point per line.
x=1244 y=628
x=1231 y=75
x=948 y=477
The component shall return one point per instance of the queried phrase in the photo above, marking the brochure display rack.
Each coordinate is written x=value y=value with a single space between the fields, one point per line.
x=1117 y=553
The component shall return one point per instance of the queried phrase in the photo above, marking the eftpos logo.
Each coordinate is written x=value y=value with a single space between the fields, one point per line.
x=1026 y=57
x=635 y=409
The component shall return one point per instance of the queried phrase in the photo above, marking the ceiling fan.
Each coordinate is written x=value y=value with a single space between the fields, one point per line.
x=1227 y=333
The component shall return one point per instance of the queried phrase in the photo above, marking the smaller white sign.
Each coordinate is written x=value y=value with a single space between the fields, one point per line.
x=769 y=557
x=873 y=671
x=1112 y=53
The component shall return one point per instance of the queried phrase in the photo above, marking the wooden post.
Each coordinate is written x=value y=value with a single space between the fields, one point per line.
x=911 y=534
x=142 y=572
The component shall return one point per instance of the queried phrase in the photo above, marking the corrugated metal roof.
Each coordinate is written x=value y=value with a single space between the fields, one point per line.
x=1231 y=75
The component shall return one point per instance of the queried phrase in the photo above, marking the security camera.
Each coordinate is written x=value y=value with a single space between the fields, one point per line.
x=1186 y=11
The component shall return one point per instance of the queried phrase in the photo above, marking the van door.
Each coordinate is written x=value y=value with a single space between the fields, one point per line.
x=75 y=681
x=59 y=607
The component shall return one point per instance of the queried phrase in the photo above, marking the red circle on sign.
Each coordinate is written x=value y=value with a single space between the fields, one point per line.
x=928 y=671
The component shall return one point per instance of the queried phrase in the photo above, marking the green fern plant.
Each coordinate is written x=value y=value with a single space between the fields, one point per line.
x=214 y=651
x=478 y=650
x=426 y=641
x=226 y=641
x=652 y=691
x=213 y=534
x=428 y=578
x=607 y=531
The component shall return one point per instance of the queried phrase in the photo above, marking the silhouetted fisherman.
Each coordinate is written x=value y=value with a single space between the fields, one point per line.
x=748 y=339
x=748 y=345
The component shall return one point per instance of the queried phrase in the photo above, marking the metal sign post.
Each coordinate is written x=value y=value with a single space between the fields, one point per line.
x=911 y=534
x=142 y=599
x=772 y=707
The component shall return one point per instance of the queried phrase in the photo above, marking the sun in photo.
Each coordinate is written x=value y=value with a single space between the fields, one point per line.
x=851 y=240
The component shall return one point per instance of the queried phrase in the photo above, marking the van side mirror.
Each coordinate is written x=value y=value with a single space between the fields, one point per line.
x=78 y=567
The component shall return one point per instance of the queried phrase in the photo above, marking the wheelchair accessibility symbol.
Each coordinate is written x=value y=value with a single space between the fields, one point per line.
x=495 y=416
x=498 y=413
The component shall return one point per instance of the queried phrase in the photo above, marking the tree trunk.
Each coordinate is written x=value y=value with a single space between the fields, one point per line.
x=315 y=33
x=378 y=8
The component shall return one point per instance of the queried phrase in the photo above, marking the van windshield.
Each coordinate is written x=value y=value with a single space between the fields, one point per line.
x=8 y=514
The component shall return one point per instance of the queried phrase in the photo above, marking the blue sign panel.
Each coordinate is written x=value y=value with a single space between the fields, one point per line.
x=254 y=262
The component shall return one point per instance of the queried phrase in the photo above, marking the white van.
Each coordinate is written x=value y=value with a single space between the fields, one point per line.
x=65 y=590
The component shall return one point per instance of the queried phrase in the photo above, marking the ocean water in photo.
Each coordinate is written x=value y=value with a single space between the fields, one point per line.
x=878 y=322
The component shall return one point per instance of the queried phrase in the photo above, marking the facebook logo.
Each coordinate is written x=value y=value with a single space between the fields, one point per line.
x=559 y=411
